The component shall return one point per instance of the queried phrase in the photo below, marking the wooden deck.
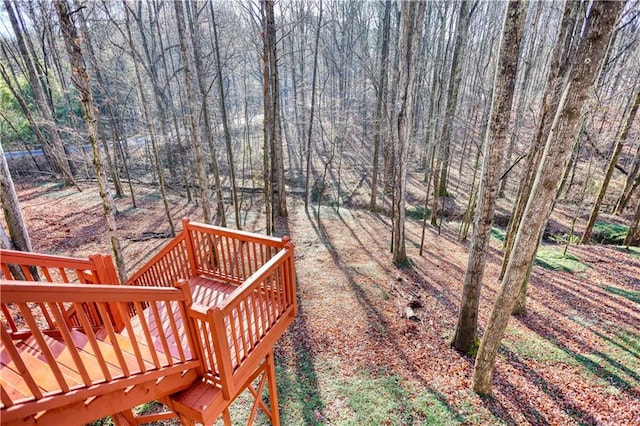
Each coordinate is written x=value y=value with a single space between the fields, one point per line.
x=73 y=351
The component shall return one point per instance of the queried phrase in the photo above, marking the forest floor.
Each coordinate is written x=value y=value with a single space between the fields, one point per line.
x=353 y=358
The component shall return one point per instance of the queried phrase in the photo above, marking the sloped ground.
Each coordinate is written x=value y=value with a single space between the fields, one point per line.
x=353 y=358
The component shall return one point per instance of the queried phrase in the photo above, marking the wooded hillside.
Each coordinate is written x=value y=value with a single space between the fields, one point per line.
x=503 y=128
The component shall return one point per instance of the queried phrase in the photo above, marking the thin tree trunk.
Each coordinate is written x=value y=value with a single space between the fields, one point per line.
x=150 y=129
x=603 y=17
x=203 y=179
x=80 y=79
x=494 y=147
x=412 y=16
x=225 y=124
x=452 y=96
x=204 y=114
x=610 y=168
x=307 y=189
x=381 y=97
x=57 y=149
x=11 y=209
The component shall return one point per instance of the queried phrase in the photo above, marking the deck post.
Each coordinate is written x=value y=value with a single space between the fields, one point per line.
x=273 y=390
x=106 y=274
x=223 y=356
x=189 y=243
x=289 y=246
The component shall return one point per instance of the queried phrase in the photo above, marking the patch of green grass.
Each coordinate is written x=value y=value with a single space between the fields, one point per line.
x=532 y=346
x=435 y=410
x=498 y=234
x=631 y=251
x=374 y=400
x=416 y=213
x=556 y=260
x=609 y=233
x=153 y=196
x=632 y=295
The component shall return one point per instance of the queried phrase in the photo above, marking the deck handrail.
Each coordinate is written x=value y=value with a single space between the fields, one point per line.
x=99 y=355
x=200 y=249
x=98 y=268
x=235 y=336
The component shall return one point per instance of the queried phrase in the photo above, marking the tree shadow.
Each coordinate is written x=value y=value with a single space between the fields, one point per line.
x=305 y=386
x=377 y=321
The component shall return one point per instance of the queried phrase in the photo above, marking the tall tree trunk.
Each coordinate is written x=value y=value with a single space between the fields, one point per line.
x=11 y=209
x=412 y=16
x=603 y=18
x=225 y=124
x=452 y=95
x=101 y=88
x=494 y=147
x=561 y=60
x=381 y=97
x=150 y=128
x=80 y=79
x=203 y=179
x=277 y=161
x=610 y=168
x=204 y=115
x=314 y=78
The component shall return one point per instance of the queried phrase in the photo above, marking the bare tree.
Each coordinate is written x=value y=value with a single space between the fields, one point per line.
x=80 y=79
x=11 y=209
x=610 y=168
x=203 y=179
x=494 y=147
x=381 y=97
x=591 y=52
x=412 y=16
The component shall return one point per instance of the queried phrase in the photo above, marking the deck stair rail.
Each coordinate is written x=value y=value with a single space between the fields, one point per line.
x=98 y=268
x=57 y=371
x=241 y=299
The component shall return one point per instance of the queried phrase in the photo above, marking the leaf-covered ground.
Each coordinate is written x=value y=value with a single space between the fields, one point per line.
x=353 y=358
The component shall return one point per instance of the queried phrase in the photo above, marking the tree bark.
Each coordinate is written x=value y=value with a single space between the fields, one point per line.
x=494 y=147
x=412 y=14
x=277 y=160
x=603 y=18
x=11 y=209
x=80 y=79
x=561 y=60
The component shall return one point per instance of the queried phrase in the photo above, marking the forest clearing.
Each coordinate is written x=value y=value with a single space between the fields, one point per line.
x=460 y=181
x=352 y=356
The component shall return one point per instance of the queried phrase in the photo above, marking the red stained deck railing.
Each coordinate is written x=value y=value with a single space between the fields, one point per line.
x=61 y=358
x=150 y=325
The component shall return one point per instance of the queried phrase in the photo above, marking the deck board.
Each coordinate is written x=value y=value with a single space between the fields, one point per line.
x=209 y=292
x=205 y=292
